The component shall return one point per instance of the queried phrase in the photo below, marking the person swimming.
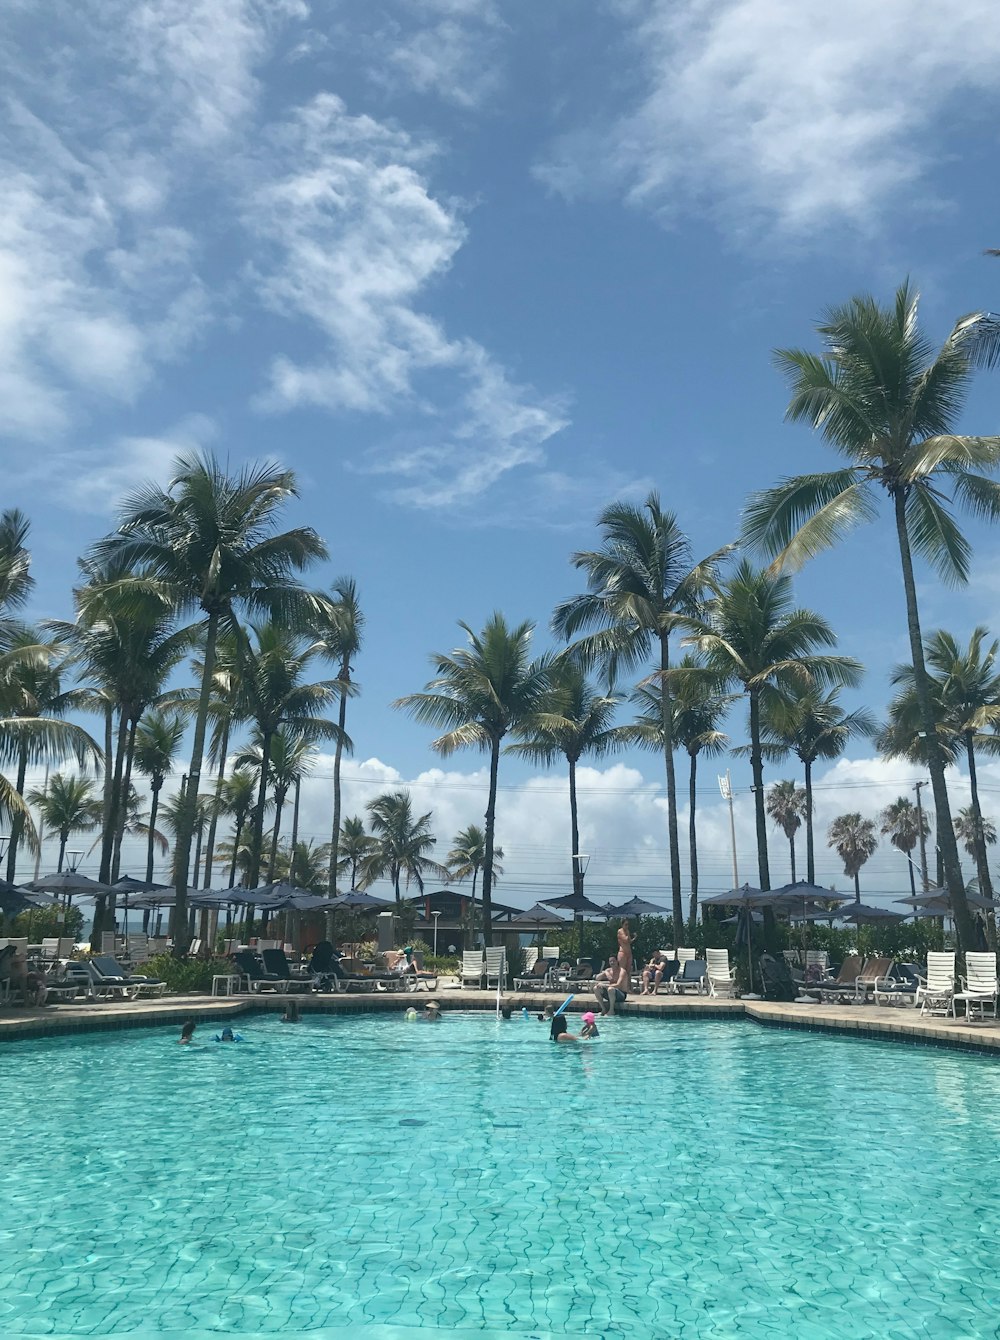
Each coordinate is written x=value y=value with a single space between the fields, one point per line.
x=559 y=1032
x=227 y=1035
x=432 y=1013
x=291 y=1015
x=505 y=1011
x=187 y=1032
x=589 y=1029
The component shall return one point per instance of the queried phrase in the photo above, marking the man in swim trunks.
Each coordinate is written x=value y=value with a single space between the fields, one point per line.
x=655 y=970
x=611 y=986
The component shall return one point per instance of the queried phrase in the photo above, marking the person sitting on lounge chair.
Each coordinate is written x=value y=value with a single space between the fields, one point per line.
x=655 y=970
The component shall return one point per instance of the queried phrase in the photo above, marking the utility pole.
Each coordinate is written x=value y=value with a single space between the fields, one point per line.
x=923 y=839
x=726 y=788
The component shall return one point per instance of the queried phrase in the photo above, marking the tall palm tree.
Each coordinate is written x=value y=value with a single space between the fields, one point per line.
x=467 y=857
x=812 y=724
x=16 y=581
x=698 y=708
x=67 y=805
x=341 y=629
x=402 y=843
x=641 y=587
x=786 y=804
x=755 y=639
x=964 y=686
x=210 y=542
x=904 y=825
x=291 y=756
x=273 y=695
x=887 y=402
x=238 y=791
x=482 y=692
x=855 y=839
x=355 y=846
x=573 y=720
x=157 y=744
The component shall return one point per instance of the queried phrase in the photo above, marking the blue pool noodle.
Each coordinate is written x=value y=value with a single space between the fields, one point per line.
x=562 y=1007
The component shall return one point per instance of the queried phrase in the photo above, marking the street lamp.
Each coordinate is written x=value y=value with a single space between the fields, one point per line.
x=435 y=915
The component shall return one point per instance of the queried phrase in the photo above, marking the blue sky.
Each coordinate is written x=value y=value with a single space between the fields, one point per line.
x=474 y=270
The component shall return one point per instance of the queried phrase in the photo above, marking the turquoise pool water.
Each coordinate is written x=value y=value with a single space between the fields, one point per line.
x=367 y=1176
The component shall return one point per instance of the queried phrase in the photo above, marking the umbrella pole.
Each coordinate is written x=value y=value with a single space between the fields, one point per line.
x=750 y=946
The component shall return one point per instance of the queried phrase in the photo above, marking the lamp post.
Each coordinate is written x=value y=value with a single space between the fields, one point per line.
x=726 y=789
x=435 y=915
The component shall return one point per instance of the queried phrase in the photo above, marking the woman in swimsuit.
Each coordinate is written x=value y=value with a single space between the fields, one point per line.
x=625 y=949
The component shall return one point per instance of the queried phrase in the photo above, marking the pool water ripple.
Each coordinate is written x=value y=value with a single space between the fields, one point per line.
x=700 y=1175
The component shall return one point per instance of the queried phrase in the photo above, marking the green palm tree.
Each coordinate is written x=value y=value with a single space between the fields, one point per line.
x=67 y=805
x=291 y=756
x=238 y=792
x=754 y=638
x=786 y=804
x=482 y=692
x=904 y=825
x=855 y=839
x=976 y=833
x=341 y=631
x=355 y=846
x=157 y=744
x=964 y=686
x=402 y=843
x=811 y=723
x=887 y=402
x=16 y=581
x=466 y=858
x=698 y=708
x=210 y=542
x=273 y=695
x=641 y=587
x=303 y=864
x=573 y=720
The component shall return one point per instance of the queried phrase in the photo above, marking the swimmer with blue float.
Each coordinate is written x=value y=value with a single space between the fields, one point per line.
x=559 y=1031
x=228 y=1036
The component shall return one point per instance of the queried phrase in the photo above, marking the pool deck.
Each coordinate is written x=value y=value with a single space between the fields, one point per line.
x=897 y=1024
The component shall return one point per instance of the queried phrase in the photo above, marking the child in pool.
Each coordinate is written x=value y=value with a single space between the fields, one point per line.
x=589 y=1029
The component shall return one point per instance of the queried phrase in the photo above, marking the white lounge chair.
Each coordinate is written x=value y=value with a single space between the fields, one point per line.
x=473 y=967
x=683 y=956
x=718 y=974
x=496 y=967
x=979 y=985
x=874 y=978
x=935 y=995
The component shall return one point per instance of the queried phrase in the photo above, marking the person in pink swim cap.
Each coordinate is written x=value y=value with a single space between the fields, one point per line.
x=589 y=1029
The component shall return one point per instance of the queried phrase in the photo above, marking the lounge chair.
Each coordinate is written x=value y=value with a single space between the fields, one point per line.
x=900 y=987
x=718 y=975
x=935 y=995
x=50 y=950
x=536 y=978
x=775 y=980
x=691 y=977
x=579 y=975
x=473 y=967
x=873 y=975
x=846 y=981
x=684 y=956
x=107 y=970
x=496 y=967
x=275 y=962
x=7 y=956
x=258 y=977
x=979 y=986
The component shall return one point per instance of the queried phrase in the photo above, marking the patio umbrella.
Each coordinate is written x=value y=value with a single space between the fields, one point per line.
x=638 y=907
x=14 y=899
x=540 y=916
x=862 y=912
x=128 y=885
x=70 y=882
x=364 y=902
x=936 y=898
x=734 y=897
x=578 y=904
x=748 y=900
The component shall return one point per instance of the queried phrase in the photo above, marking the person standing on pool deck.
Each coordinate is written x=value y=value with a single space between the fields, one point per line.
x=625 y=942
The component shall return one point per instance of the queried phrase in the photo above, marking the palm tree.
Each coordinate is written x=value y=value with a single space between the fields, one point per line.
x=401 y=843
x=157 y=742
x=272 y=696
x=467 y=857
x=354 y=846
x=786 y=805
x=67 y=805
x=291 y=756
x=573 y=719
x=482 y=692
x=886 y=402
x=964 y=686
x=303 y=864
x=855 y=839
x=641 y=586
x=814 y=726
x=16 y=581
x=209 y=541
x=698 y=708
x=238 y=792
x=754 y=638
x=904 y=825
x=341 y=631
x=975 y=832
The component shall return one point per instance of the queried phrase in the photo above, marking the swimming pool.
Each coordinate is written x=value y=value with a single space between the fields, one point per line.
x=470 y=1177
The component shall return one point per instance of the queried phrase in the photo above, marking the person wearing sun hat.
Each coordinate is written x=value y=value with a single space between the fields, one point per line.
x=432 y=1012
x=589 y=1029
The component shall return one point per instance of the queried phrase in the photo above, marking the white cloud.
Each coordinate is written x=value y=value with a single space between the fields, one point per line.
x=355 y=239
x=446 y=47
x=804 y=114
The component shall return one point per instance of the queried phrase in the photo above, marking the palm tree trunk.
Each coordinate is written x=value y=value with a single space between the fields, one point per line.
x=693 y=842
x=491 y=810
x=213 y=825
x=185 y=827
x=237 y=834
x=667 y=725
x=338 y=753
x=935 y=763
x=574 y=828
x=982 y=856
x=111 y=827
x=909 y=866
x=154 y=805
x=17 y=823
x=791 y=853
x=810 y=849
x=109 y=745
x=257 y=829
x=123 y=804
x=199 y=838
x=760 y=814
x=472 y=909
x=279 y=805
x=63 y=839
x=857 y=886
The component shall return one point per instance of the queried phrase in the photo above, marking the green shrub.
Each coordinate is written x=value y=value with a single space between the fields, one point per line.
x=44 y=923
x=186 y=975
